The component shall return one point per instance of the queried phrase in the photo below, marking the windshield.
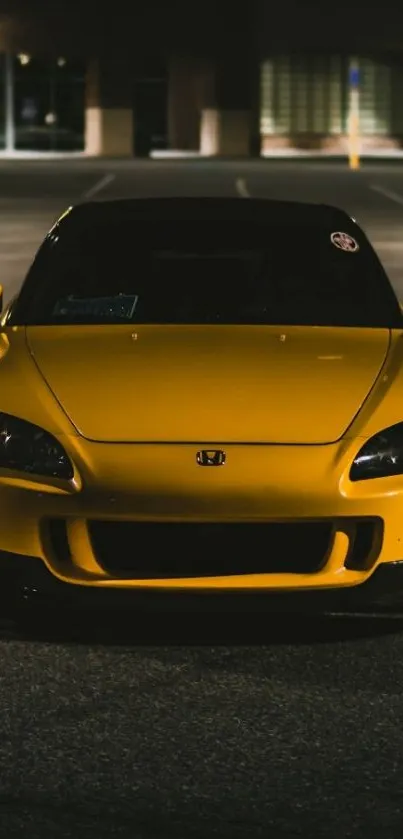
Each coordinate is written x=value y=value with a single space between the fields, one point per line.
x=199 y=273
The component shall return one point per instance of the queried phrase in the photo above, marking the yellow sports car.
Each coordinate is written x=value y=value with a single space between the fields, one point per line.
x=203 y=396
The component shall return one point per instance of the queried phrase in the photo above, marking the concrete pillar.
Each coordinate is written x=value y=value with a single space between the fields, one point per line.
x=226 y=120
x=213 y=105
x=225 y=132
x=188 y=77
x=109 y=109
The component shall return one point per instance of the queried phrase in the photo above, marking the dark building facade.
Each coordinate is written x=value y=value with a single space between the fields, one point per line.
x=213 y=78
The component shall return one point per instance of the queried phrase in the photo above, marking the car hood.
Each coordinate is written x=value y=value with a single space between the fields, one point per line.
x=252 y=384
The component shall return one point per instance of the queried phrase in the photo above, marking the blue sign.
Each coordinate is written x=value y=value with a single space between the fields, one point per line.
x=354 y=76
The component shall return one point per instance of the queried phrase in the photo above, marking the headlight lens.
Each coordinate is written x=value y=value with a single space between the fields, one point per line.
x=28 y=448
x=381 y=456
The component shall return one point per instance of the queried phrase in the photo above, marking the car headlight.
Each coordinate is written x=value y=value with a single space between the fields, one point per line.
x=28 y=448
x=381 y=456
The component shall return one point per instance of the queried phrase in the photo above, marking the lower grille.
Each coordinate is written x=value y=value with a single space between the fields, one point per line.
x=57 y=532
x=365 y=545
x=145 y=550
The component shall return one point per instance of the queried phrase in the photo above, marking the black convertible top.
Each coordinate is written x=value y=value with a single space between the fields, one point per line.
x=191 y=208
x=207 y=261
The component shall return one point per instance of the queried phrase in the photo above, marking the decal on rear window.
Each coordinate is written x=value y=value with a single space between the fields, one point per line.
x=121 y=306
x=344 y=242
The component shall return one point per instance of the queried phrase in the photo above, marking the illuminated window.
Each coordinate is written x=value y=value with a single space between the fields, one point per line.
x=301 y=95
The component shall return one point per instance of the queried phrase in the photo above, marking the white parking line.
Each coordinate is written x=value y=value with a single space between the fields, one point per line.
x=390 y=245
x=15 y=256
x=241 y=188
x=387 y=193
x=100 y=185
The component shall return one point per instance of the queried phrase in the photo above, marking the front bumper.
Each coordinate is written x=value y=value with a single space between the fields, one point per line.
x=64 y=529
x=27 y=580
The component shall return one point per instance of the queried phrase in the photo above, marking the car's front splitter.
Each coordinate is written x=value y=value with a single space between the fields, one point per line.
x=27 y=580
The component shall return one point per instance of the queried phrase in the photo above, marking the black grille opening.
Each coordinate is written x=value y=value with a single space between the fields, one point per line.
x=57 y=530
x=147 y=550
x=366 y=545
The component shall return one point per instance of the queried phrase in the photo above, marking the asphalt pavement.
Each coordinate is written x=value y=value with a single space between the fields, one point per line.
x=195 y=727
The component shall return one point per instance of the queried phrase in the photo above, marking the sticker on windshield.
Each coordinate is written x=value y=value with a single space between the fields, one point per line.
x=344 y=242
x=120 y=306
